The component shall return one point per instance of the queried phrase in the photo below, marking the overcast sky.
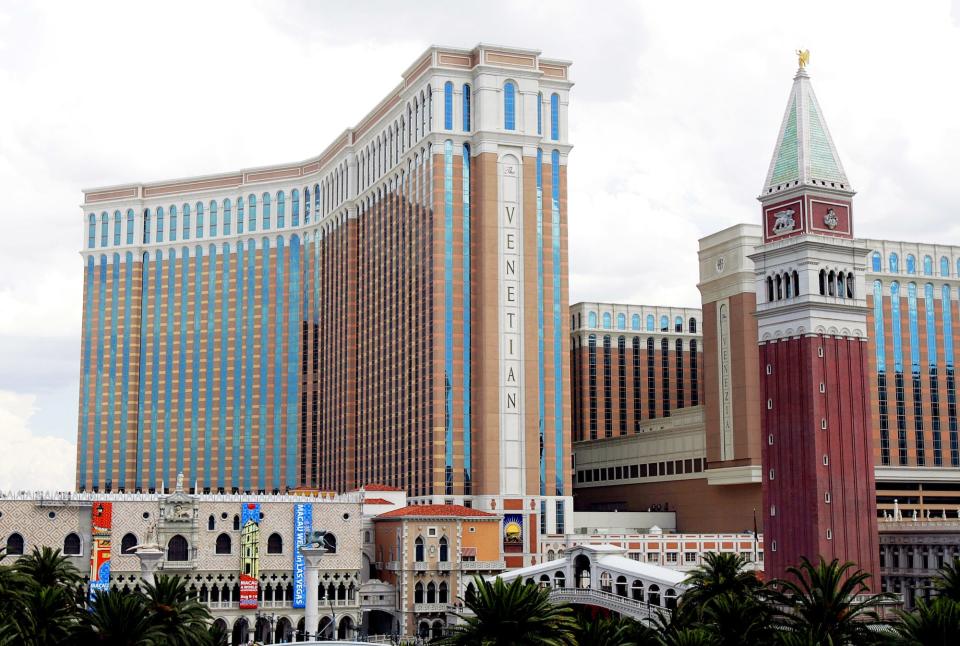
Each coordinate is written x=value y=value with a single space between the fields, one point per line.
x=673 y=120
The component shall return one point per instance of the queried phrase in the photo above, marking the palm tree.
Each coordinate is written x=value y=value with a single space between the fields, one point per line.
x=822 y=604
x=183 y=620
x=931 y=624
x=947 y=582
x=119 y=619
x=603 y=631
x=12 y=600
x=514 y=613
x=49 y=617
x=720 y=573
x=49 y=568
x=734 y=619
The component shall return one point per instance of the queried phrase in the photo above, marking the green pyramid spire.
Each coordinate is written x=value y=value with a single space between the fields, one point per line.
x=804 y=154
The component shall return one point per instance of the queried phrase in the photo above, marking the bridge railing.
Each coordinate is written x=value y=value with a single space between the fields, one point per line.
x=624 y=605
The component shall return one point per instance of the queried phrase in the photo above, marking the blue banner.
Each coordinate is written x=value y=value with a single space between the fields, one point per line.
x=302 y=526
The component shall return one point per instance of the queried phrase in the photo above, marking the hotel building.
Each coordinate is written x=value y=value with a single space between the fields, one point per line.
x=391 y=310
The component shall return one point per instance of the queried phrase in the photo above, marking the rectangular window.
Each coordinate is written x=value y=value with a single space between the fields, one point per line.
x=561 y=522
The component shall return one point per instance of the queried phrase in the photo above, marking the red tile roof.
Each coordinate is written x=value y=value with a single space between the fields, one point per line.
x=379 y=487
x=376 y=501
x=454 y=511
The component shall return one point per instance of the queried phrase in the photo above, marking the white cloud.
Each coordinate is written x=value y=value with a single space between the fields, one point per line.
x=29 y=459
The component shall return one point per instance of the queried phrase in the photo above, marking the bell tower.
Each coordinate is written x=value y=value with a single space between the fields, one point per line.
x=818 y=482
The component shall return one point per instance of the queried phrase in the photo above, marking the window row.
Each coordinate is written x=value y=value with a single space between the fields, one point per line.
x=72 y=545
x=893 y=264
x=836 y=283
x=386 y=149
x=648 y=470
x=781 y=286
x=576 y=322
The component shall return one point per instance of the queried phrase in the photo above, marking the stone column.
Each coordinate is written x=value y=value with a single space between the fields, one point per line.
x=150 y=558
x=311 y=617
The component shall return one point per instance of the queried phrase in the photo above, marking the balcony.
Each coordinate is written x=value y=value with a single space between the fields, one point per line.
x=421 y=566
x=444 y=566
x=430 y=607
x=474 y=566
x=392 y=566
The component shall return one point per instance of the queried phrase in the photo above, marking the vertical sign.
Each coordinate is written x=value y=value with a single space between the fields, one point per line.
x=101 y=524
x=511 y=326
x=302 y=526
x=512 y=529
x=249 y=554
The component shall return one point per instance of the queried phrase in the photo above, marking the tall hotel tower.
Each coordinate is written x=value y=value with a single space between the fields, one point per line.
x=393 y=310
x=812 y=325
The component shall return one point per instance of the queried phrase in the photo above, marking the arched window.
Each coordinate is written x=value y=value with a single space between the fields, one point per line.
x=876 y=261
x=431 y=592
x=199 y=219
x=173 y=223
x=275 y=544
x=787 y=285
x=653 y=598
x=664 y=323
x=591 y=319
x=841 y=288
x=418 y=592
x=448 y=105
x=635 y=322
x=894 y=262
x=281 y=210
x=444 y=550
x=678 y=324
x=927 y=266
x=211 y=522
x=832 y=283
x=129 y=226
x=796 y=283
x=127 y=543
x=213 y=218
x=769 y=289
x=418 y=549
x=636 y=590
x=555 y=117
x=650 y=323
x=177 y=548
x=442 y=592
x=91 y=231
x=606 y=582
x=539 y=113
x=224 y=544
x=159 y=224
x=71 y=545
x=104 y=229
x=823 y=282
x=559 y=579
x=252 y=215
x=146 y=226
x=240 y=207
x=14 y=544
x=692 y=325
x=778 y=284
x=509 y=106
x=911 y=264
x=186 y=221
x=466 y=107
x=849 y=285
x=944 y=266
x=607 y=321
x=236 y=522
x=295 y=208
x=621 y=321
x=266 y=211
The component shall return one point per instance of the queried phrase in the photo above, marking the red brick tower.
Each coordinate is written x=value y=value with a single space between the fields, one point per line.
x=818 y=481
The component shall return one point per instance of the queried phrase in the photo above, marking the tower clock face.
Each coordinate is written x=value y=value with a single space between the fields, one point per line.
x=721 y=264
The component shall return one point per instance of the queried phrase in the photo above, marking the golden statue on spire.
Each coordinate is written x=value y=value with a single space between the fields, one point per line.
x=803 y=56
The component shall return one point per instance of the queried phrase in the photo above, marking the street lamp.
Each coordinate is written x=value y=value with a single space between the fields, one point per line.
x=270 y=619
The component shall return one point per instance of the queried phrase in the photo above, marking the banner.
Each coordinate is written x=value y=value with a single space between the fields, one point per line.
x=302 y=526
x=513 y=529
x=249 y=554
x=101 y=522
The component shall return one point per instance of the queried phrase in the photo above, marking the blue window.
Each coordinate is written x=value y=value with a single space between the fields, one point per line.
x=876 y=260
x=650 y=323
x=104 y=229
x=509 y=106
x=539 y=113
x=678 y=324
x=944 y=266
x=621 y=321
x=116 y=231
x=129 y=227
x=895 y=326
x=306 y=205
x=947 y=315
x=146 y=226
x=92 y=231
x=199 y=220
x=252 y=203
x=281 y=210
x=927 y=266
x=159 y=224
x=894 y=264
x=317 y=201
x=226 y=217
x=555 y=116
x=664 y=323
x=186 y=221
x=295 y=205
x=266 y=211
x=239 y=215
x=911 y=264
x=466 y=107
x=173 y=223
x=213 y=218
x=635 y=322
x=607 y=321
x=448 y=105
x=881 y=354
x=592 y=320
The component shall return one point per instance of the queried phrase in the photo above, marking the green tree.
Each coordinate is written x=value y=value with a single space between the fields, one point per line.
x=119 y=619
x=512 y=614
x=13 y=587
x=603 y=631
x=720 y=573
x=827 y=603
x=733 y=619
x=180 y=617
x=49 y=617
x=47 y=567
x=931 y=624
x=947 y=582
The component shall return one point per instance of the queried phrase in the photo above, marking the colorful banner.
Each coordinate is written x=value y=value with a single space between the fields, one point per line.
x=302 y=526
x=101 y=522
x=513 y=529
x=249 y=554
